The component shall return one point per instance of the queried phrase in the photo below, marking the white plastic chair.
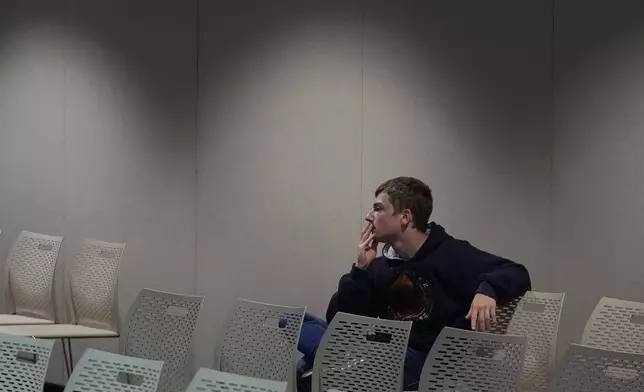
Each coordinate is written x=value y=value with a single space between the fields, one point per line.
x=23 y=363
x=160 y=326
x=30 y=269
x=208 y=380
x=361 y=354
x=462 y=360
x=260 y=340
x=92 y=287
x=92 y=298
x=616 y=325
x=100 y=371
x=537 y=317
x=588 y=369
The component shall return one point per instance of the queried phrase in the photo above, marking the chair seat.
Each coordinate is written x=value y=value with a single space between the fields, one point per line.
x=58 y=331
x=14 y=319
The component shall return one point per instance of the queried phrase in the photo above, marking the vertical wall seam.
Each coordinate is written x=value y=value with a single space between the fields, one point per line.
x=551 y=215
x=197 y=103
x=362 y=30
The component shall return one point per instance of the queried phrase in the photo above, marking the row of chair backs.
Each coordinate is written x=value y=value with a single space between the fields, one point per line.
x=612 y=344
x=365 y=354
x=24 y=363
x=259 y=341
x=255 y=330
x=460 y=361
x=90 y=288
x=610 y=358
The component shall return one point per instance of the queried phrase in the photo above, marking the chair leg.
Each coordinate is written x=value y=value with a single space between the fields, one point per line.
x=67 y=366
x=71 y=355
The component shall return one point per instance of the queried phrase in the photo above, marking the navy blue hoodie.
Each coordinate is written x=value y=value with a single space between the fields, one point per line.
x=434 y=289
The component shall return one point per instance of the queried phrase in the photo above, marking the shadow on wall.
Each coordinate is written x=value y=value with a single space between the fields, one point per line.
x=122 y=30
x=128 y=40
x=434 y=44
x=594 y=37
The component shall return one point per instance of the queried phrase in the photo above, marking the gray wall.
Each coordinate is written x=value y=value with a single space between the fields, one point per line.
x=98 y=135
x=301 y=110
x=598 y=157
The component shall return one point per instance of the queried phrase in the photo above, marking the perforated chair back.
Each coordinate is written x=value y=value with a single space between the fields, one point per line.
x=23 y=363
x=537 y=317
x=208 y=380
x=160 y=326
x=504 y=313
x=462 y=360
x=616 y=325
x=93 y=285
x=260 y=341
x=31 y=266
x=588 y=369
x=99 y=371
x=361 y=354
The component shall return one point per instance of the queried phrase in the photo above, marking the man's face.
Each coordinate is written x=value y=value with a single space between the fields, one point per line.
x=387 y=224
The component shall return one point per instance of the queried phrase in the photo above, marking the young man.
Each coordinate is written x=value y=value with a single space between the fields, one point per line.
x=424 y=275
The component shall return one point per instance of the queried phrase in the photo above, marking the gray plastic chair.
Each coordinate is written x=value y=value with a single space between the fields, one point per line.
x=361 y=354
x=23 y=363
x=31 y=265
x=588 y=369
x=616 y=325
x=537 y=317
x=462 y=360
x=208 y=380
x=504 y=313
x=160 y=326
x=260 y=340
x=99 y=371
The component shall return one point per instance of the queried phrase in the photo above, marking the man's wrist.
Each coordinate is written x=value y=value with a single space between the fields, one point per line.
x=361 y=267
x=487 y=290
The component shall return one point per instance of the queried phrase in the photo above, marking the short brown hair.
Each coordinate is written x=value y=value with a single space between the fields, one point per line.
x=411 y=193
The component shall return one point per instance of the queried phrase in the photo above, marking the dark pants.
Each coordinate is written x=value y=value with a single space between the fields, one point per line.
x=310 y=336
x=49 y=387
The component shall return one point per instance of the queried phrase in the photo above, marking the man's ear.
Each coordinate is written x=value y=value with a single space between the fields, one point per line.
x=406 y=217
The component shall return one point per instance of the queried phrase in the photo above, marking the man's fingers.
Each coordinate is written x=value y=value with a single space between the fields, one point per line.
x=474 y=316
x=482 y=320
x=366 y=244
x=366 y=230
x=493 y=314
x=488 y=319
